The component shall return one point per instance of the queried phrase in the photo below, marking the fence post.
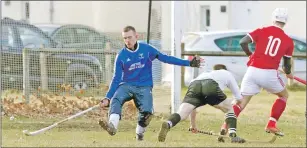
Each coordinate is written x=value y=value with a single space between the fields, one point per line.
x=26 y=74
x=43 y=70
x=176 y=36
x=182 y=67
x=290 y=81
x=108 y=64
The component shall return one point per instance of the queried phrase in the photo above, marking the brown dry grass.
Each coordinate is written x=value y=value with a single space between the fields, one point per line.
x=58 y=104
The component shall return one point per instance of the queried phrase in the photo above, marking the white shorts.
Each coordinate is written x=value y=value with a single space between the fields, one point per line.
x=256 y=78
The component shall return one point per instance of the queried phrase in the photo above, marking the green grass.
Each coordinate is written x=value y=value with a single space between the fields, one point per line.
x=85 y=132
x=297 y=87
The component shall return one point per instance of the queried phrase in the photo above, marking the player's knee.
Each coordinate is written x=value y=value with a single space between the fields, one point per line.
x=115 y=101
x=115 y=106
x=185 y=110
x=145 y=118
x=183 y=114
x=283 y=94
x=244 y=101
x=286 y=95
x=225 y=106
x=228 y=109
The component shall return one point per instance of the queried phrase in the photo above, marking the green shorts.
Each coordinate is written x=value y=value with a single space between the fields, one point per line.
x=202 y=92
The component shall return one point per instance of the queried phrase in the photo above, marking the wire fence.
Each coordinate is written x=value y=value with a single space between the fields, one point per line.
x=48 y=45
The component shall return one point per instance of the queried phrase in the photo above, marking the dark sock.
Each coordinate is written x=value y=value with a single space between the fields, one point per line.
x=174 y=119
x=231 y=121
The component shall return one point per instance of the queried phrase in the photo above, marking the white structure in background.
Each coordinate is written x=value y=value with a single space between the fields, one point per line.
x=222 y=15
x=111 y=16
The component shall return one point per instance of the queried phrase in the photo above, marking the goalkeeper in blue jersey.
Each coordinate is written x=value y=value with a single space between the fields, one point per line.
x=133 y=79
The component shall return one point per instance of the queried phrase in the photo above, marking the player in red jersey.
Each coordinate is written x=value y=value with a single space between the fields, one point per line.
x=272 y=44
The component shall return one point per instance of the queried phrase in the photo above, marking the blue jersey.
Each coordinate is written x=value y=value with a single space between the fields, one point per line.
x=135 y=67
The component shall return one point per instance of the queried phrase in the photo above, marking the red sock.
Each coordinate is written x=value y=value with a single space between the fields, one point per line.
x=271 y=123
x=236 y=109
x=278 y=108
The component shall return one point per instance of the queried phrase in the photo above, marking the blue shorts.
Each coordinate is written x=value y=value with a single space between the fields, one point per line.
x=142 y=96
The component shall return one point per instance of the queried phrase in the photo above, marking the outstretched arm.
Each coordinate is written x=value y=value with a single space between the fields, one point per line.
x=173 y=60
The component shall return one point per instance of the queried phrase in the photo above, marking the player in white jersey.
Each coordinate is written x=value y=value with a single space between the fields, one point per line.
x=207 y=88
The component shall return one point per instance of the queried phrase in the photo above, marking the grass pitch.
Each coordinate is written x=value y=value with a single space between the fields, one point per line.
x=85 y=131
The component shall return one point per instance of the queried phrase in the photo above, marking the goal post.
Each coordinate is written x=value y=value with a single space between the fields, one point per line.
x=176 y=35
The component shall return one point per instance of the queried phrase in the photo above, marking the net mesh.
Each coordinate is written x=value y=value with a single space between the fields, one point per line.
x=68 y=48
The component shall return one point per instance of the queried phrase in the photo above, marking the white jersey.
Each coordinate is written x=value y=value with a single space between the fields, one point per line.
x=224 y=78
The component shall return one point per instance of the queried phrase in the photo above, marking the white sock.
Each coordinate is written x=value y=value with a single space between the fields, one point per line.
x=232 y=130
x=139 y=129
x=114 y=119
x=170 y=123
x=272 y=119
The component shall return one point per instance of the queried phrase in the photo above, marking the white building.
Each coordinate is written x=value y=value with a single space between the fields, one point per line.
x=111 y=16
x=243 y=15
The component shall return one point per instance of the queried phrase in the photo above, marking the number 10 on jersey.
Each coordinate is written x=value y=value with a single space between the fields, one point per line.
x=269 y=48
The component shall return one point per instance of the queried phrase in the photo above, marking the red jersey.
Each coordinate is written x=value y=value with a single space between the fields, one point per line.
x=271 y=45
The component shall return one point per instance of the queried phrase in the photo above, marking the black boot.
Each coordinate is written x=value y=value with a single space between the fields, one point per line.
x=235 y=138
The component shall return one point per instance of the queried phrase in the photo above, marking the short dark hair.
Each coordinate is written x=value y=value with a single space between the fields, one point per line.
x=128 y=28
x=281 y=23
x=219 y=66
